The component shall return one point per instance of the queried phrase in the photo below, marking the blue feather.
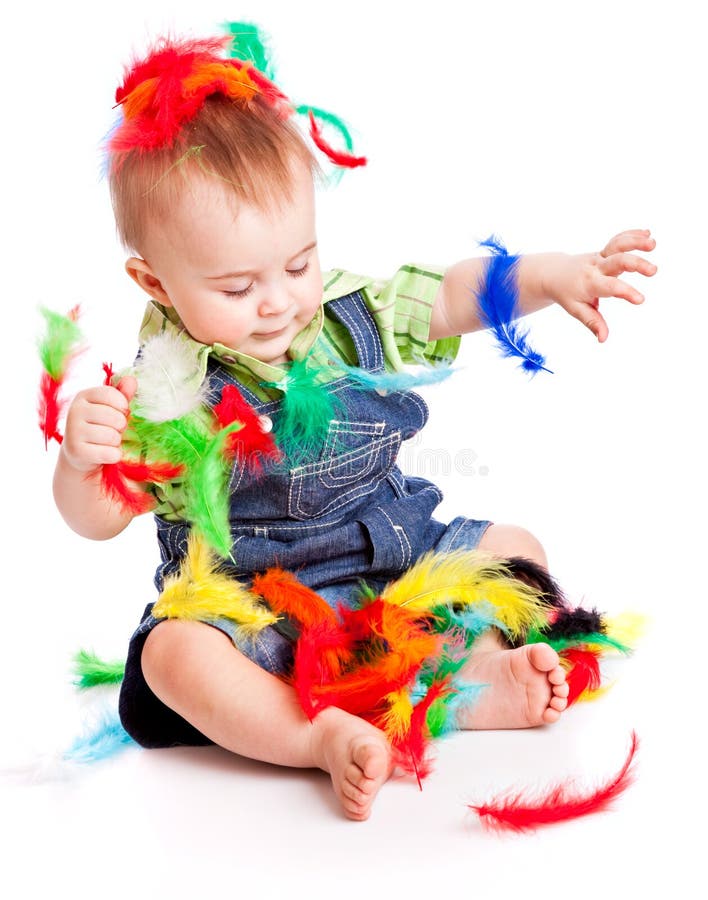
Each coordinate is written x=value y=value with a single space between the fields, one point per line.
x=498 y=307
x=107 y=738
x=396 y=381
x=466 y=696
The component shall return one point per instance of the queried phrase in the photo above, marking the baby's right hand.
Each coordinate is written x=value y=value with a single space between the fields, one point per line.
x=95 y=424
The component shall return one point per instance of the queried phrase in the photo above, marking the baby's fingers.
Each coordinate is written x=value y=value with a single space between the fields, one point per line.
x=609 y=286
x=591 y=317
x=618 y=263
x=634 y=239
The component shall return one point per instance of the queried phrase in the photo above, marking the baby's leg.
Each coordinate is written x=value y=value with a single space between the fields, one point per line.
x=196 y=671
x=526 y=685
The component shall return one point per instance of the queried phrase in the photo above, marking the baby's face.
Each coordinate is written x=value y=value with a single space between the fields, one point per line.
x=237 y=275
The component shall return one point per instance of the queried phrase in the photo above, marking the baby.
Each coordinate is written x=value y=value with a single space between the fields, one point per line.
x=213 y=190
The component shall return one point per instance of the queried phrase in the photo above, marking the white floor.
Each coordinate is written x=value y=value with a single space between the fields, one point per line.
x=604 y=460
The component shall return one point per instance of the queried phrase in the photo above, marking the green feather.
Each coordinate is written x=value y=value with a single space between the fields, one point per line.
x=577 y=640
x=330 y=118
x=59 y=344
x=436 y=717
x=189 y=442
x=207 y=496
x=180 y=441
x=337 y=172
x=249 y=44
x=90 y=671
x=306 y=413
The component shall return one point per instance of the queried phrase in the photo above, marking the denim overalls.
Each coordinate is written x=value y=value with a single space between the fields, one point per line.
x=349 y=515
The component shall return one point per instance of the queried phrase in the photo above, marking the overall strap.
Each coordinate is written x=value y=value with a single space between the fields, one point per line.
x=218 y=377
x=356 y=317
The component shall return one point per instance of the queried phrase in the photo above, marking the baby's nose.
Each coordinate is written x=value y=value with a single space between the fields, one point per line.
x=275 y=303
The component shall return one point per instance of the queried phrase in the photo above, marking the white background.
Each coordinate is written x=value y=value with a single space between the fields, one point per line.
x=554 y=124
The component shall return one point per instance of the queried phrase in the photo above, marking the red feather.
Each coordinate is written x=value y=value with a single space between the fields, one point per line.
x=115 y=478
x=338 y=157
x=322 y=652
x=560 y=803
x=285 y=594
x=411 y=753
x=250 y=444
x=583 y=673
x=50 y=408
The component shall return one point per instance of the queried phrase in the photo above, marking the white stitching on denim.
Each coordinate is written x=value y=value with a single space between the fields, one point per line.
x=399 y=530
x=388 y=445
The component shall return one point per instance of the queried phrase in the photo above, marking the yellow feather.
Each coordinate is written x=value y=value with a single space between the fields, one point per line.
x=589 y=696
x=627 y=628
x=198 y=592
x=396 y=721
x=468 y=577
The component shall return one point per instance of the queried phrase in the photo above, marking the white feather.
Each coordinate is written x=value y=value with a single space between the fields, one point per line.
x=169 y=378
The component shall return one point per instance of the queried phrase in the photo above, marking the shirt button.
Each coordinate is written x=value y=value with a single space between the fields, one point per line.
x=229 y=359
x=266 y=423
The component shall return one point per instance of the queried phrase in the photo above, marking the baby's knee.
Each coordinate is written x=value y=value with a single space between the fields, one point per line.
x=166 y=645
x=513 y=540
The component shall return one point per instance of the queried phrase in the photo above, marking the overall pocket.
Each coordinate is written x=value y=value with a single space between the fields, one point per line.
x=356 y=457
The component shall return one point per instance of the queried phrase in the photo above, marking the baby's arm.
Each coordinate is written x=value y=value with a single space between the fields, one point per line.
x=95 y=423
x=575 y=282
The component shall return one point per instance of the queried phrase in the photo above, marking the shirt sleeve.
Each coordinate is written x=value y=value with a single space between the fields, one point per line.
x=403 y=308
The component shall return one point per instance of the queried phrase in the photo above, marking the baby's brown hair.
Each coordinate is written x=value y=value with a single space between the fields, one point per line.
x=252 y=150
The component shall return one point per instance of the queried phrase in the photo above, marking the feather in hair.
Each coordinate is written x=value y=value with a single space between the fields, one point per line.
x=498 y=308
x=170 y=383
x=200 y=591
x=521 y=812
x=468 y=577
x=58 y=348
x=90 y=671
x=338 y=157
x=248 y=43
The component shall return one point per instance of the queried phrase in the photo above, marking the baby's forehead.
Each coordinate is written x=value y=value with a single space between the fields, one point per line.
x=207 y=222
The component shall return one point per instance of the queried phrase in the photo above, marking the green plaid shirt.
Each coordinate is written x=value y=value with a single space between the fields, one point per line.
x=401 y=308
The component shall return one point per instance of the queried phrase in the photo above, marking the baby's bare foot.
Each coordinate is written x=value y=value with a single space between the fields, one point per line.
x=356 y=755
x=526 y=687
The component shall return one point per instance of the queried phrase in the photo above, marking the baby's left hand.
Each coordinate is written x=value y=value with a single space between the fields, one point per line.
x=577 y=282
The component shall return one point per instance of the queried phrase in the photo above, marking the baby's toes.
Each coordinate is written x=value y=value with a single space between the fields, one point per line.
x=560 y=690
x=558 y=703
x=556 y=676
x=355 y=784
x=551 y=715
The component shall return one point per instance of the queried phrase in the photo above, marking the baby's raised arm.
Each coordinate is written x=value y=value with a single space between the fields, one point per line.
x=95 y=423
x=576 y=282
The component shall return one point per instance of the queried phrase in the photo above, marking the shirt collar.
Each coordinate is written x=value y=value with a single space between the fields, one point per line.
x=158 y=318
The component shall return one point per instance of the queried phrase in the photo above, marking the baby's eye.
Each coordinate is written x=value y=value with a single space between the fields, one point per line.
x=297 y=273
x=244 y=293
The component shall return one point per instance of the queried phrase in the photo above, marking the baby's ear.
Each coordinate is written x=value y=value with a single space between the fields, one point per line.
x=142 y=274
